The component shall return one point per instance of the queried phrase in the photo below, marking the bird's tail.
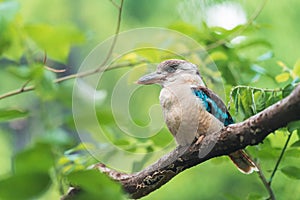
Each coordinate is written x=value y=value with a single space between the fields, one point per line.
x=243 y=162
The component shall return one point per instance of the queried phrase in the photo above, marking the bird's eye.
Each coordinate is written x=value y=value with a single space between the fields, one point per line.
x=171 y=68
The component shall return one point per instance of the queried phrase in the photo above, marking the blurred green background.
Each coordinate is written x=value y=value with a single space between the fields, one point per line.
x=40 y=149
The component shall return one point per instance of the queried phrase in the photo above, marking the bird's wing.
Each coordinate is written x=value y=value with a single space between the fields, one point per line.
x=213 y=104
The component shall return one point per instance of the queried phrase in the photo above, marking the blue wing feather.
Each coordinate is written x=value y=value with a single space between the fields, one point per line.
x=213 y=104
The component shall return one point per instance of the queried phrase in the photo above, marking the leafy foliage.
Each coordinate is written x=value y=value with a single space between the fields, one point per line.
x=291 y=171
x=30 y=178
x=94 y=185
x=39 y=127
x=28 y=186
x=6 y=115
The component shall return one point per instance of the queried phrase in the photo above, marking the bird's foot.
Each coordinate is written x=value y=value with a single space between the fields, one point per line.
x=199 y=140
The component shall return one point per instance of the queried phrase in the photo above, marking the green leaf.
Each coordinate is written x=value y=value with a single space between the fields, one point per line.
x=273 y=98
x=187 y=29
x=12 y=40
x=231 y=197
x=22 y=72
x=8 y=36
x=218 y=55
x=45 y=87
x=9 y=114
x=291 y=172
x=287 y=90
x=36 y=159
x=260 y=100
x=296 y=69
x=246 y=102
x=55 y=40
x=296 y=144
x=292 y=126
x=293 y=152
x=80 y=148
x=96 y=184
x=5 y=41
x=283 y=77
x=265 y=153
x=255 y=197
x=24 y=186
x=253 y=43
x=150 y=55
x=235 y=95
x=76 y=159
x=224 y=33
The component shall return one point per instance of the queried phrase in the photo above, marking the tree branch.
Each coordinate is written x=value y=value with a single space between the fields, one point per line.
x=266 y=184
x=231 y=138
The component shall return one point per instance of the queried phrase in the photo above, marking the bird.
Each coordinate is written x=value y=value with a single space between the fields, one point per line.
x=190 y=109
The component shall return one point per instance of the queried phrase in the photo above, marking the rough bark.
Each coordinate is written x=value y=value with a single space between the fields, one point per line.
x=231 y=138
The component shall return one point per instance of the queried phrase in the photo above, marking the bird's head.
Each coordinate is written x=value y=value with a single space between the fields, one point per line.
x=173 y=71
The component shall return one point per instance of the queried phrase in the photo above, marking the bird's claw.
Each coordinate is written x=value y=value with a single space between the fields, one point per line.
x=199 y=140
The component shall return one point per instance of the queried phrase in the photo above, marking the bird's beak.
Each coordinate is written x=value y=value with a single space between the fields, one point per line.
x=151 y=79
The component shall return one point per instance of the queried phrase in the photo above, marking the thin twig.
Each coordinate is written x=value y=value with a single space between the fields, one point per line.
x=102 y=69
x=54 y=70
x=115 y=4
x=18 y=91
x=279 y=159
x=112 y=46
x=50 y=68
x=25 y=88
x=22 y=89
x=266 y=184
x=24 y=85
